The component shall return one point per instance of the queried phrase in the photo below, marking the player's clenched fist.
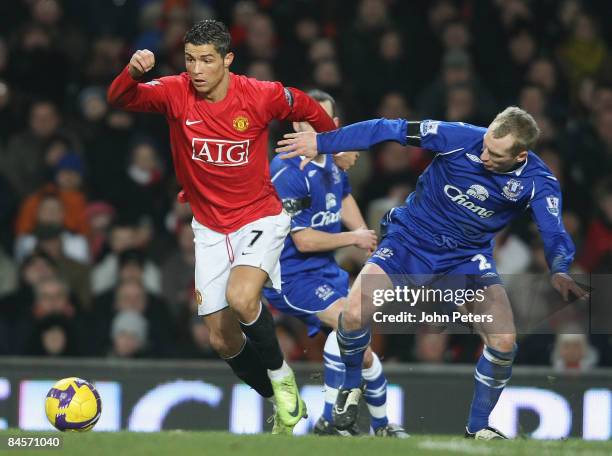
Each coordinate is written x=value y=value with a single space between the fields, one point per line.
x=346 y=160
x=141 y=62
x=365 y=239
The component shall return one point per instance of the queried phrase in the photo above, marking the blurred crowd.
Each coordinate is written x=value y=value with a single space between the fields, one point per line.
x=96 y=254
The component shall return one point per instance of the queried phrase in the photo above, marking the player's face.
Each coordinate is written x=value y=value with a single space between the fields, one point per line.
x=496 y=155
x=206 y=67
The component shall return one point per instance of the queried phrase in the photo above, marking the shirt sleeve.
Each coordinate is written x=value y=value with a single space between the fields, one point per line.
x=153 y=96
x=288 y=103
x=277 y=106
x=362 y=135
x=448 y=137
x=294 y=191
x=546 y=211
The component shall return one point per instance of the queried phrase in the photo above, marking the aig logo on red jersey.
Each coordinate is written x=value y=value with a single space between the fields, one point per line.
x=221 y=152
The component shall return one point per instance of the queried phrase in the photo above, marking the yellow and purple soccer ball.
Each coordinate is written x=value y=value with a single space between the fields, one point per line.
x=73 y=404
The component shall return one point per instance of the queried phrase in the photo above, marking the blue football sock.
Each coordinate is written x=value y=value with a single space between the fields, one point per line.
x=352 y=347
x=493 y=371
x=333 y=374
x=375 y=393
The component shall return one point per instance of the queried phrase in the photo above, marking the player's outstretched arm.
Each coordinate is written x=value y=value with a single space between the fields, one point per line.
x=358 y=136
x=558 y=245
x=310 y=240
x=126 y=92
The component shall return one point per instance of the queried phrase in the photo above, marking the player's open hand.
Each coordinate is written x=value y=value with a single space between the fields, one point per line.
x=564 y=284
x=346 y=160
x=141 y=62
x=365 y=239
x=299 y=144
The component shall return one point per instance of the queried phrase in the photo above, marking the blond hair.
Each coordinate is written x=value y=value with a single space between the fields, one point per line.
x=520 y=124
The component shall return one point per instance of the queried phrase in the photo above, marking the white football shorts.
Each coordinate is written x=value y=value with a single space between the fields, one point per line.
x=257 y=244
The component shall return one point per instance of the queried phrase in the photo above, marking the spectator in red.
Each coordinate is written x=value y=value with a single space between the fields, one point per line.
x=67 y=186
x=100 y=216
x=50 y=212
x=597 y=249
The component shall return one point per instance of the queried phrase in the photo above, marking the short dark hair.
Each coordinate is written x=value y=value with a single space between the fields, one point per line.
x=320 y=96
x=212 y=32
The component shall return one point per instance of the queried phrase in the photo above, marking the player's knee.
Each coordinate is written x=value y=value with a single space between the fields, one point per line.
x=242 y=301
x=505 y=343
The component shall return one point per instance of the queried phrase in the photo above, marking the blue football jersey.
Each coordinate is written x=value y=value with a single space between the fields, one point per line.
x=456 y=197
x=313 y=197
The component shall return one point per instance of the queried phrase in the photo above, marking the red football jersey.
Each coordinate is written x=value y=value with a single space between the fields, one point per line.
x=220 y=150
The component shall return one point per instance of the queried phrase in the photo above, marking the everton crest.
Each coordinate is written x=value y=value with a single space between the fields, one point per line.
x=512 y=189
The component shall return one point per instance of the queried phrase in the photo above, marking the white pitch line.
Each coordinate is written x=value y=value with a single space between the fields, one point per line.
x=460 y=446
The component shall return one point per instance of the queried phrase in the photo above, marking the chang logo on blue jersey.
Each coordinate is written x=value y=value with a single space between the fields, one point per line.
x=457 y=196
x=324 y=218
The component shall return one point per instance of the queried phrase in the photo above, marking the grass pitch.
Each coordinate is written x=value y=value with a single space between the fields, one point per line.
x=220 y=444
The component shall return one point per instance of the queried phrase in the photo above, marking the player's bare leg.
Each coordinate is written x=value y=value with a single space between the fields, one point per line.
x=354 y=315
x=353 y=340
x=225 y=334
x=494 y=367
x=244 y=291
x=228 y=340
x=375 y=393
x=243 y=294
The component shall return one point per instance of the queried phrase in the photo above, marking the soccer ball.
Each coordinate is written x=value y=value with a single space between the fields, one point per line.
x=73 y=404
